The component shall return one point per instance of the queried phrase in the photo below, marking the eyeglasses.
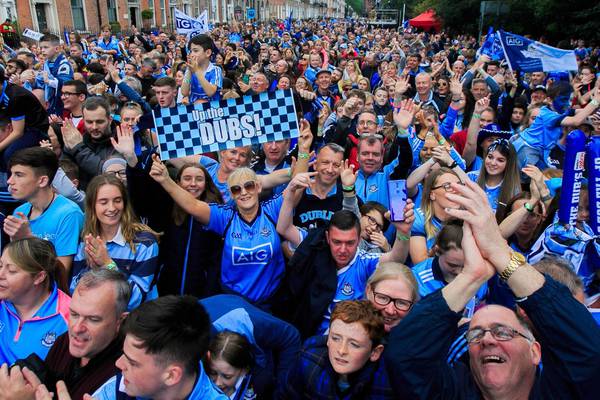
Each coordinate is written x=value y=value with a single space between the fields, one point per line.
x=499 y=332
x=400 y=304
x=249 y=186
x=373 y=222
x=367 y=123
x=66 y=94
x=447 y=186
x=121 y=173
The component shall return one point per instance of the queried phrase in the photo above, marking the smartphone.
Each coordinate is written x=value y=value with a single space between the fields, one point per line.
x=397 y=198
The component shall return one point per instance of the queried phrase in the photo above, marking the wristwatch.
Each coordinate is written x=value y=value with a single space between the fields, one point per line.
x=516 y=260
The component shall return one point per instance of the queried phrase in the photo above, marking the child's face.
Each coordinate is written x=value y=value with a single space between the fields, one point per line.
x=350 y=347
x=199 y=54
x=583 y=212
x=48 y=50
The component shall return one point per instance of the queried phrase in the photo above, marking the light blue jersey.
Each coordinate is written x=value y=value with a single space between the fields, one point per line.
x=252 y=264
x=214 y=75
x=140 y=266
x=19 y=338
x=418 y=228
x=492 y=192
x=351 y=282
x=60 y=224
x=212 y=167
x=429 y=277
x=114 y=389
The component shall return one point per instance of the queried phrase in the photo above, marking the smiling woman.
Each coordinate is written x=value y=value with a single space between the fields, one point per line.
x=113 y=239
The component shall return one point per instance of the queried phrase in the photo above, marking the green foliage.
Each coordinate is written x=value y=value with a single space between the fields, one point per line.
x=115 y=27
x=147 y=14
x=357 y=6
x=554 y=19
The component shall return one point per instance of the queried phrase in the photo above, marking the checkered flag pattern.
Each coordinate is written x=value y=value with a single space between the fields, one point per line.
x=179 y=133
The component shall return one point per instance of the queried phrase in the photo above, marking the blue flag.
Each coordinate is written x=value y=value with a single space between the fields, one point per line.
x=288 y=22
x=528 y=55
x=67 y=39
x=492 y=47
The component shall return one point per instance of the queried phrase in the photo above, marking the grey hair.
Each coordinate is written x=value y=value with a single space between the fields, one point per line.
x=133 y=83
x=99 y=276
x=336 y=148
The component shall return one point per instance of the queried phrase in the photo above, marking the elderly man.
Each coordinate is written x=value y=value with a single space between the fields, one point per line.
x=425 y=96
x=504 y=355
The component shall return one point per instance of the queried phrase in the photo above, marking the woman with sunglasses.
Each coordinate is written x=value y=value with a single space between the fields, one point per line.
x=113 y=239
x=431 y=215
x=393 y=290
x=499 y=174
x=252 y=263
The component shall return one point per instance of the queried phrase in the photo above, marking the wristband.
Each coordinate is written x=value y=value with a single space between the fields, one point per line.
x=402 y=237
x=476 y=115
x=595 y=102
x=546 y=197
x=289 y=173
x=453 y=165
x=528 y=207
x=402 y=132
x=456 y=100
x=347 y=188
x=111 y=266
x=303 y=155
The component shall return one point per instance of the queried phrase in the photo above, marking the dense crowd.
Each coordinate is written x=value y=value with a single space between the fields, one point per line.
x=292 y=269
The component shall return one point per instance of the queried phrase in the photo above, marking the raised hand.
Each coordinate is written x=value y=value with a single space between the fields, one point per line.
x=402 y=85
x=71 y=135
x=442 y=156
x=17 y=227
x=403 y=116
x=96 y=251
x=124 y=143
x=306 y=137
x=482 y=104
x=456 y=87
x=404 y=227
x=159 y=171
x=348 y=176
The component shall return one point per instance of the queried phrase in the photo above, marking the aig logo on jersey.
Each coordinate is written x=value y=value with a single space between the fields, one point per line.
x=258 y=255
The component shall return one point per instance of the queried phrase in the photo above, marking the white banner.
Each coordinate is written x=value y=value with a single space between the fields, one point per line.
x=186 y=25
x=32 y=34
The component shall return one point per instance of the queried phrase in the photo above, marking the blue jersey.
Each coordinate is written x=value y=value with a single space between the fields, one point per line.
x=212 y=167
x=18 y=338
x=418 y=228
x=214 y=75
x=112 y=44
x=492 y=192
x=351 y=282
x=375 y=186
x=429 y=277
x=140 y=266
x=60 y=224
x=59 y=71
x=114 y=389
x=252 y=263
x=545 y=130
x=476 y=164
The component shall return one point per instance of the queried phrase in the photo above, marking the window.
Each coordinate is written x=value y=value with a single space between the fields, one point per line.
x=112 y=10
x=78 y=15
x=163 y=12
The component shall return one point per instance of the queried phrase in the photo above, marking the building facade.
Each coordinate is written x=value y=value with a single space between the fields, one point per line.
x=89 y=15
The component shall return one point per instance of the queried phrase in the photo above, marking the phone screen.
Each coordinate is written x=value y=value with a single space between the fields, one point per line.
x=397 y=197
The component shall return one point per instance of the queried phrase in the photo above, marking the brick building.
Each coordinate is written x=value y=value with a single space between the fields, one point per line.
x=89 y=15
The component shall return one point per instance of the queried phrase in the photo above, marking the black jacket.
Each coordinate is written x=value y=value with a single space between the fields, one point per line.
x=417 y=348
x=311 y=283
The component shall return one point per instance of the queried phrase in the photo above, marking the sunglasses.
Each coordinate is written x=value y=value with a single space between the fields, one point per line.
x=249 y=186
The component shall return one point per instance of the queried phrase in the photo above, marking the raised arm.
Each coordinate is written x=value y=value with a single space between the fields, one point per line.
x=291 y=195
x=470 y=150
x=400 y=249
x=197 y=208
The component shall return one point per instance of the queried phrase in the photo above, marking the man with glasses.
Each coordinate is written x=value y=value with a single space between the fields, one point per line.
x=504 y=355
x=73 y=95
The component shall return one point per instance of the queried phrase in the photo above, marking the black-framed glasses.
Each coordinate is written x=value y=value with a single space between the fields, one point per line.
x=66 y=94
x=249 y=186
x=447 y=186
x=400 y=304
x=499 y=332
x=366 y=123
x=120 y=173
x=373 y=222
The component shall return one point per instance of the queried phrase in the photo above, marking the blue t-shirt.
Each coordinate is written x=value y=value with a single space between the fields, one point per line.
x=212 y=167
x=252 y=263
x=351 y=282
x=492 y=192
x=18 y=338
x=418 y=228
x=214 y=75
x=429 y=277
x=204 y=389
x=60 y=224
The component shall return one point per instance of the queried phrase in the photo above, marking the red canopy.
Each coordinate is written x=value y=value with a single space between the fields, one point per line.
x=427 y=21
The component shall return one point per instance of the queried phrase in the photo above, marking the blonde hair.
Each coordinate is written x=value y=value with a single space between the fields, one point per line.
x=393 y=271
x=241 y=173
x=426 y=202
